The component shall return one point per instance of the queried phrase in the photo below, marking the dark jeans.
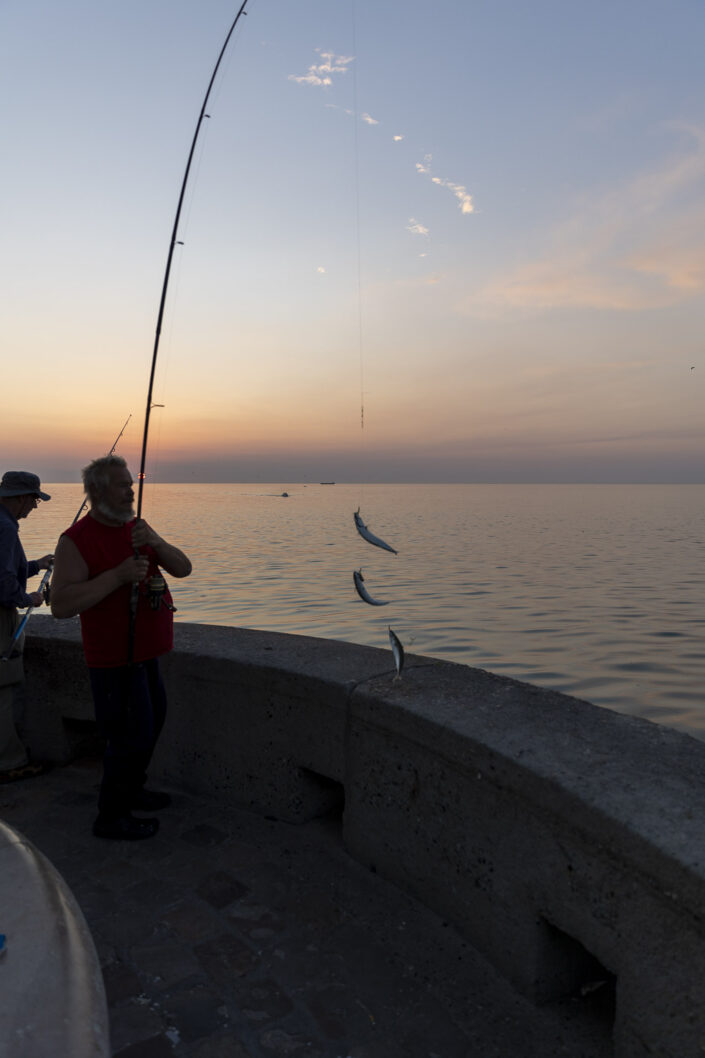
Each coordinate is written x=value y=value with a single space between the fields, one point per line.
x=130 y=708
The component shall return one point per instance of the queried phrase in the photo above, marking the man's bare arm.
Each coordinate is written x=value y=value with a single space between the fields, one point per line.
x=72 y=591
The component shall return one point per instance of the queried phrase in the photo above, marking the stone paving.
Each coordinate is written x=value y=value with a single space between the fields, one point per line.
x=233 y=936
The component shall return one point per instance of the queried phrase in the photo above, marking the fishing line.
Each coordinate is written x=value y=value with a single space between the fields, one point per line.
x=358 y=246
x=356 y=149
x=371 y=538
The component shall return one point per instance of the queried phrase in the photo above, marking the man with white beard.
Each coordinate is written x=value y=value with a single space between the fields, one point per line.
x=97 y=562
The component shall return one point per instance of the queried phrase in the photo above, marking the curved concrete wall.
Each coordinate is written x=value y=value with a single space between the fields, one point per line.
x=53 y=1001
x=565 y=841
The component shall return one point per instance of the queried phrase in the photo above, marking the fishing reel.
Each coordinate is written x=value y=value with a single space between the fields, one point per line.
x=156 y=591
x=45 y=586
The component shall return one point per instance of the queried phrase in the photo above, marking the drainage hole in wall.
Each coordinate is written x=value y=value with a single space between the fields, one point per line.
x=577 y=980
x=329 y=794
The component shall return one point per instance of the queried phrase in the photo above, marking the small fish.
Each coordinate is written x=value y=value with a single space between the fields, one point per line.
x=368 y=536
x=397 y=651
x=363 y=592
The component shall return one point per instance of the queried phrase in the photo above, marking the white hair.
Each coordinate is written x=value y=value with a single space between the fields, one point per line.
x=96 y=476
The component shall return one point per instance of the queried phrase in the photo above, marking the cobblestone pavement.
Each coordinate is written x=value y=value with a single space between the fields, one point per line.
x=233 y=936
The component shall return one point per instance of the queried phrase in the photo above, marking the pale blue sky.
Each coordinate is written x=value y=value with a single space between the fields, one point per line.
x=491 y=221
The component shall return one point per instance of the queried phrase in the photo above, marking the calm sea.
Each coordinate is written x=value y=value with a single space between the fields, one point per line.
x=595 y=590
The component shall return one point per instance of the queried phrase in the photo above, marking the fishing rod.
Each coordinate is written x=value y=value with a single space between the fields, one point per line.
x=81 y=509
x=45 y=579
x=162 y=302
x=173 y=243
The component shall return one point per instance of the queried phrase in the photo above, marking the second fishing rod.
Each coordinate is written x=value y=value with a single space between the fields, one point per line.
x=44 y=586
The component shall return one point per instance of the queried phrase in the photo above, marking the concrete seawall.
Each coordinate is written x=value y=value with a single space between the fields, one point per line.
x=564 y=841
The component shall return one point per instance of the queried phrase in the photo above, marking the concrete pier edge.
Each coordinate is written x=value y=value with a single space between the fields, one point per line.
x=564 y=841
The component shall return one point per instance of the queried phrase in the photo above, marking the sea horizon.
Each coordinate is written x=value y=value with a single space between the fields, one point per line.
x=428 y=484
x=591 y=589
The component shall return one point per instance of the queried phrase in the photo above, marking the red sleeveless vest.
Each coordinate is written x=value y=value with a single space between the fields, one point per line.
x=105 y=626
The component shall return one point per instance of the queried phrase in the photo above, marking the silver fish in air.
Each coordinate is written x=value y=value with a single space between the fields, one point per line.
x=363 y=592
x=368 y=536
x=397 y=651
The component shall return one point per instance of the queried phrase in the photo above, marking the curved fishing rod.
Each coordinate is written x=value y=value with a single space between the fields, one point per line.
x=134 y=595
x=170 y=255
x=45 y=579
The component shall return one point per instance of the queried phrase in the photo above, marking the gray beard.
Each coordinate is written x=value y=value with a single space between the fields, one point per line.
x=115 y=516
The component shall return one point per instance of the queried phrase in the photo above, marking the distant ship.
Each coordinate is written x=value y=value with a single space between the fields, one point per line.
x=327 y=483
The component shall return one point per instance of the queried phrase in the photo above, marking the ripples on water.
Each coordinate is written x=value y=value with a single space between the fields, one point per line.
x=595 y=590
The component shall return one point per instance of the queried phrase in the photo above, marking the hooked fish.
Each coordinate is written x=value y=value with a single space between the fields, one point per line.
x=370 y=537
x=397 y=651
x=363 y=592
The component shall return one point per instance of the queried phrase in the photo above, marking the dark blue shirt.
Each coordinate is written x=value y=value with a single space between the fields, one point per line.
x=14 y=567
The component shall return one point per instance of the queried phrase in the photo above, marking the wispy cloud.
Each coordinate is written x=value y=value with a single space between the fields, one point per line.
x=637 y=246
x=345 y=110
x=321 y=74
x=416 y=228
x=677 y=256
x=566 y=282
x=366 y=118
x=459 y=190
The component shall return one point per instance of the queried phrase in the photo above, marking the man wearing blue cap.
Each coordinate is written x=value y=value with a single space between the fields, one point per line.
x=20 y=493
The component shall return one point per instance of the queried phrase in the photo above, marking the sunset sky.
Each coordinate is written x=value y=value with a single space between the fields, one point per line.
x=483 y=222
